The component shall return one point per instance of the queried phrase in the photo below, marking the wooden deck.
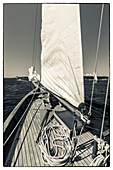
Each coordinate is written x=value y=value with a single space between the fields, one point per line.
x=25 y=151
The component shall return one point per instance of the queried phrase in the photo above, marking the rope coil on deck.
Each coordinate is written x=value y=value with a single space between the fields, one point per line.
x=99 y=160
x=53 y=153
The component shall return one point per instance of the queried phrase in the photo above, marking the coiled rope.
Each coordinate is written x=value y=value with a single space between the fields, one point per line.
x=97 y=161
x=55 y=154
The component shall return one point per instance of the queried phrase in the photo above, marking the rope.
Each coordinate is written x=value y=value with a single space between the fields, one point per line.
x=99 y=38
x=98 y=161
x=34 y=45
x=105 y=160
x=55 y=154
x=74 y=155
x=104 y=109
x=18 y=121
x=95 y=68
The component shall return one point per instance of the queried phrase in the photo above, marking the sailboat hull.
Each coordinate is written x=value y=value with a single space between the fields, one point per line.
x=22 y=149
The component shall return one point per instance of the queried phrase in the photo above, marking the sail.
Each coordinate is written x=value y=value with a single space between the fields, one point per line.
x=61 y=57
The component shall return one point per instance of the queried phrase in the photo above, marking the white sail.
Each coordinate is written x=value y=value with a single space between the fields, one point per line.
x=61 y=58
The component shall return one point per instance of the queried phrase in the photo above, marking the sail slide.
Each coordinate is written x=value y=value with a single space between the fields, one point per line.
x=61 y=57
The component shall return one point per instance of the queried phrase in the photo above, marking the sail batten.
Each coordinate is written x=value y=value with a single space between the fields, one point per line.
x=61 y=57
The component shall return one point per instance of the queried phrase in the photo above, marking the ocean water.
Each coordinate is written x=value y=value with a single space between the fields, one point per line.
x=15 y=90
x=98 y=105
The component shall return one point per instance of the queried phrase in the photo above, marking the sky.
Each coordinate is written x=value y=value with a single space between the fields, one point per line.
x=19 y=31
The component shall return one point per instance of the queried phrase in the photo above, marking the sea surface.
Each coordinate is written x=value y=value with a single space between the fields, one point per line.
x=15 y=89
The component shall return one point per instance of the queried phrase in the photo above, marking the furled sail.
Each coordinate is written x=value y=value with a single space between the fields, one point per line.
x=61 y=57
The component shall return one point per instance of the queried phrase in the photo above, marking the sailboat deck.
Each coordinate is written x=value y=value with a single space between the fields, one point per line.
x=25 y=151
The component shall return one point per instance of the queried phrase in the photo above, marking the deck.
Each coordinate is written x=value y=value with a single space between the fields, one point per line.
x=25 y=151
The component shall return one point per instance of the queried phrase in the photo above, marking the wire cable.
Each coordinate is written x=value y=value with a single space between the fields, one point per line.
x=34 y=45
x=104 y=110
x=95 y=67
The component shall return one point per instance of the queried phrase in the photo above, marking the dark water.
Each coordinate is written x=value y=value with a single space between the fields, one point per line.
x=98 y=104
x=15 y=90
x=99 y=91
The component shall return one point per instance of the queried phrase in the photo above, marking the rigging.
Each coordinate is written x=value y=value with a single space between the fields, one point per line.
x=95 y=68
x=35 y=38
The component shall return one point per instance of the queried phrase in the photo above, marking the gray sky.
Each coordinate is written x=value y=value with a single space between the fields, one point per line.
x=19 y=28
